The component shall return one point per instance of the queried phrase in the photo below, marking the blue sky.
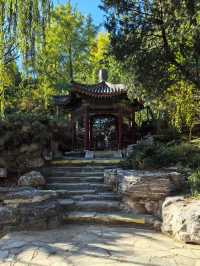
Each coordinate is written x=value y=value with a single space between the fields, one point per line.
x=87 y=7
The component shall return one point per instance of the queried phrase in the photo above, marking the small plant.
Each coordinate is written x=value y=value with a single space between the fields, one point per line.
x=194 y=183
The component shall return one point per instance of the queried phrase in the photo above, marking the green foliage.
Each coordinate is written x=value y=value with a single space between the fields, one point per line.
x=157 y=155
x=194 y=183
x=159 y=39
x=100 y=58
x=26 y=128
x=22 y=23
x=55 y=46
x=181 y=103
x=158 y=44
x=69 y=38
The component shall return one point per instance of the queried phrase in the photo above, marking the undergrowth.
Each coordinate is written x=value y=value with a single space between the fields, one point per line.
x=158 y=155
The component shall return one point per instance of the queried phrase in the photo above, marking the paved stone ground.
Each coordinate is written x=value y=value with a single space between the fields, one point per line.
x=90 y=245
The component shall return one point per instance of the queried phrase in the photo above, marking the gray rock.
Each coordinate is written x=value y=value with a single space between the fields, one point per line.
x=25 y=208
x=111 y=178
x=89 y=155
x=144 y=184
x=13 y=243
x=170 y=200
x=33 y=179
x=34 y=162
x=7 y=215
x=28 y=196
x=3 y=254
x=181 y=219
x=29 y=148
x=144 y=191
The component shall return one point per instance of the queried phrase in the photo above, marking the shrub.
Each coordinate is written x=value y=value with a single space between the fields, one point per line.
x=157 y=155
x=194 y=182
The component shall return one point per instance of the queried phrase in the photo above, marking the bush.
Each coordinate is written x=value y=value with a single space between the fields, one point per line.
x=194 y=182
x=157 y=155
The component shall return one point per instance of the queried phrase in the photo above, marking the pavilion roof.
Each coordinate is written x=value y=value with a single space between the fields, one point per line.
x=100 y=90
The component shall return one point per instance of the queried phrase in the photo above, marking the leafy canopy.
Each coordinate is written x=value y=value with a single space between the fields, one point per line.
x=158 y=39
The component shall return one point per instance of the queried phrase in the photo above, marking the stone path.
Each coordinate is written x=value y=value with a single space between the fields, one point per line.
x=95 y=245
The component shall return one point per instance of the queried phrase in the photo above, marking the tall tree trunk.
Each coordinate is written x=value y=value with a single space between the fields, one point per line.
x=71 y=71
x=2 y=104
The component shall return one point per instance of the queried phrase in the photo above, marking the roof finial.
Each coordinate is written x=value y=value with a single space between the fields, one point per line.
x=103 y=75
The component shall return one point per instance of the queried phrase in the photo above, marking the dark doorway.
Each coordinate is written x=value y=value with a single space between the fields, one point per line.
x=104 y=132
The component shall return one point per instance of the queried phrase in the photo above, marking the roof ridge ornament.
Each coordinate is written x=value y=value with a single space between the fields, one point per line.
x=103 y=75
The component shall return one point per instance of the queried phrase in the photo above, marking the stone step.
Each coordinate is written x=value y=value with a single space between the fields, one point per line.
x=109 y=218
x=97 y=206
x=108 y=155
x=100 y=196
x=85 y=162
x=63 y=193
x=91 y=205
x=78 y=169
x=61 y=173
x=77 y=186
x=66 y=179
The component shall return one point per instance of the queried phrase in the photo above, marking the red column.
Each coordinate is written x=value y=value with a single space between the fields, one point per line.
x=87 y=131
x=133 y=129
x=91 y=134
x=73 y=127
x=120 y=120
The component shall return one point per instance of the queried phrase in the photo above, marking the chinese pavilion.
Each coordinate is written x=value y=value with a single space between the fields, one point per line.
x=101 y=115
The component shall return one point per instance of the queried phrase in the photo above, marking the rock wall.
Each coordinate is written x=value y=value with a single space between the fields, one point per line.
x=26 y=143
x=144 y=191
x=29 y=209
x=181 y=219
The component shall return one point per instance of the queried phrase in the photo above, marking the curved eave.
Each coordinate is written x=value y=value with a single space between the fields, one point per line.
x=101 y=90
x=100 y=95
x=61 y=100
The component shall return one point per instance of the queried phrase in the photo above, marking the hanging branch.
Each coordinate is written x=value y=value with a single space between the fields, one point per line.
x=22 y=23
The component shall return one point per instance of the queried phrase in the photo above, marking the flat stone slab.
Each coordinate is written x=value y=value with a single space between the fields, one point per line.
x=89 y=245
x=119 y=218
x=86 y=161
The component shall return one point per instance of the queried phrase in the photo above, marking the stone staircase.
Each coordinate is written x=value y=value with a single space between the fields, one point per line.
x=83 y=194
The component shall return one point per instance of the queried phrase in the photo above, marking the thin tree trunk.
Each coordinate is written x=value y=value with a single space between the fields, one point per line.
x=71 y=72
x=2 y=105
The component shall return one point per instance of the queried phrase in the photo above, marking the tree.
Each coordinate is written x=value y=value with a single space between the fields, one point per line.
x=68 y=42
x=158 y=39
x=100 y=57
x=22 y=22
x=182 y=105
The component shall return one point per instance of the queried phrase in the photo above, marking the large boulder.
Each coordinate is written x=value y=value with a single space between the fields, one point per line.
x=26 y=208
x=29 y=148
x=181 y=219
x=32 y=179
x=149 y=185
x=27 y=196
x=144 y=191
x=31 y=163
